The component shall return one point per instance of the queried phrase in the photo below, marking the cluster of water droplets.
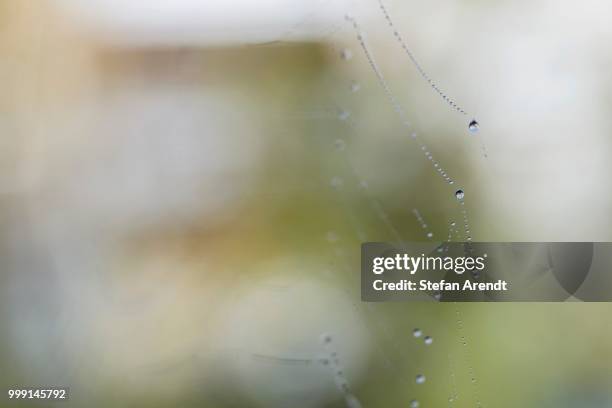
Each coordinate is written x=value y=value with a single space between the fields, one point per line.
x=420 y=378
x=397 y=107
x=337 y=182
x=422 y=223
x=473 y=125
x=331 y=360
x=464 y=342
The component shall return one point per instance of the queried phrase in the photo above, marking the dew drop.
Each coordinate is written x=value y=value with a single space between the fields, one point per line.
x=420 y=379
x=414 y=404
x=325 y=338
x=331 y=237
x=429 y=235
x=473 y=126
x=355 y=86
x=346 y=54
x=352 y=401
x=336 y=182
x=340 y=144
x=342 y=385
x=459 y=194
x=343 y=114
x=417 y=332
x=428 y=340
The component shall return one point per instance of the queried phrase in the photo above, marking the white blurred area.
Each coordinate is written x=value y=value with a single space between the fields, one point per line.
x=204 y=23
x=129 y=165
x=115 y=131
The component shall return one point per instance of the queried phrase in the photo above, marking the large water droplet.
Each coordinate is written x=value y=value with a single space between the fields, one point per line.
x=420 y=379
x=473 y=126
x=428 y=340
x=459 y=194
x=417 y=332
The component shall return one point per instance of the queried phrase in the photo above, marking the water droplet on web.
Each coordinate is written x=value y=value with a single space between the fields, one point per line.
x=344 y=114
x=342 y=384
x=414 y=404
x=473 y=126
x=421 y=221
x=340 y=144
x=420 y=379
x=346 y=54
x=352 y=401
x=417 y=332
x=428 y=340
x=355 y=86
x=325 y=338
x=336 y=182
x=416 y=64
x=391 y=96
x=459 y=194
x=332 y=237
